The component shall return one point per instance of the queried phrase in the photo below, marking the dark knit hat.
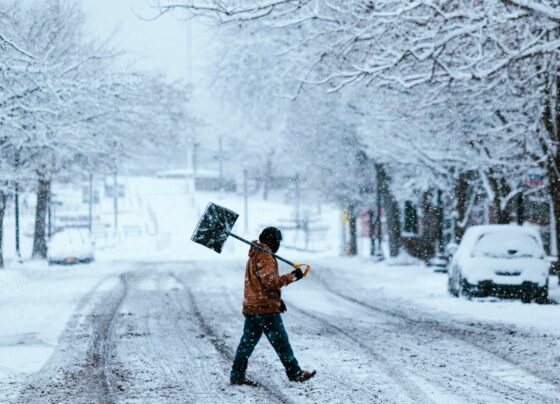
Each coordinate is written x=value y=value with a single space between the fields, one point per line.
x=271 y=236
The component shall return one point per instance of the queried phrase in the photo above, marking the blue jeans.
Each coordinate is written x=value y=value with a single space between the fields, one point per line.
x=271 y=325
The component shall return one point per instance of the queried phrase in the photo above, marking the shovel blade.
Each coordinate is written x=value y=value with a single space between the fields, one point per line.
x=213 y=227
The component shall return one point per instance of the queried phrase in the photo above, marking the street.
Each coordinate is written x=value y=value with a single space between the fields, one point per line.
x=166 y=332
x=387 y=171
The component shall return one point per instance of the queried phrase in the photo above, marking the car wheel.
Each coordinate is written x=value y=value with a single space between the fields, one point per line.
x=541 y=294
x=465 y=288
x=527 y=293
x=484 y=290
x=452 y=291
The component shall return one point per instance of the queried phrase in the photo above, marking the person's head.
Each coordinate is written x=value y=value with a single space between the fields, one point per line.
x=271 y=236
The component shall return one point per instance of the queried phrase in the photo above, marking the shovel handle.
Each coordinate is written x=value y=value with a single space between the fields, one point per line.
x=304 y=268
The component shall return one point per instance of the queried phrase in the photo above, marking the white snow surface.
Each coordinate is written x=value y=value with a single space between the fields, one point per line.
x=37 y=302
x=418 y=286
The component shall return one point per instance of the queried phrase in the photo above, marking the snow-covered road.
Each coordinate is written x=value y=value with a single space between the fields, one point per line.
x=166 y=332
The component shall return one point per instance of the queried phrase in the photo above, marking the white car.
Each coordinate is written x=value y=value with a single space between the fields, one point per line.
x=500 y=259
x=70 y=246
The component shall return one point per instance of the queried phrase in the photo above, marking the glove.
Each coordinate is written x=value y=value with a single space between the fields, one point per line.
x=283 y=307
x=298 y=274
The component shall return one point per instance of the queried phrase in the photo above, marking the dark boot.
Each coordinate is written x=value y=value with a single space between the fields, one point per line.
x=244 y=381
x=302 y=376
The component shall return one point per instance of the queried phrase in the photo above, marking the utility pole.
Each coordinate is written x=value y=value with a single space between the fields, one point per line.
x=195 y=157
x=221 y=161
x=115 y=201
x=194 y=162
x=90 y=202
x=246 y=198
x=297 y=197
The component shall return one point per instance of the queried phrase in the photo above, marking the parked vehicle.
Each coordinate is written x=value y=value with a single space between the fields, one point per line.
x=500 y=259
x=70 y=246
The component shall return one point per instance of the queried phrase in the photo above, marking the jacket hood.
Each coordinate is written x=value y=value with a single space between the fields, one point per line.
x=253 y=250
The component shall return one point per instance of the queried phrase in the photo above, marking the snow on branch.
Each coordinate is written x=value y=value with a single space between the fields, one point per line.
x=547 y=11
x=232 y=10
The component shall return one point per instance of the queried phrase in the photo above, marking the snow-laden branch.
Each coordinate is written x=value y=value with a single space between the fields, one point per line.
x=550 y=12
x=7 y=42
x=231 y=10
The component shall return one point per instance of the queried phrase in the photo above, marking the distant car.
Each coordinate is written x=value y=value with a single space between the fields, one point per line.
x=70 y=246
x=495 y=259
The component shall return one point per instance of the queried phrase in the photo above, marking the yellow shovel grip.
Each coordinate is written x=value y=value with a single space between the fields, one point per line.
x=304 y=268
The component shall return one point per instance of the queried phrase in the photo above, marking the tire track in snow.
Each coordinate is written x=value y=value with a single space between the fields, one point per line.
x=79 y=364
x=495 y=389
x=413 y=391
x=339 y=381
x=168 y=340
x=100 y=353
x=220 y=345
x=428 y=322
x=149 y=349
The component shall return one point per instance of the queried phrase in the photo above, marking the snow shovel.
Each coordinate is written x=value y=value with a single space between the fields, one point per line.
x=214 y=228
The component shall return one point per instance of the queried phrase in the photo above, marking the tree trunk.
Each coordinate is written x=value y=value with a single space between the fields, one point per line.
x=410 y=218
x=392 y=212
x=353 y=243
x=461 y=195
x=3 y=200
x=372 y=238
x=429 y=218
x=394 y=227
x=439 y=226
x=39 y=239
x=501 y=189
x=551 y=120
x=520 y=208
x=430 y=225
x=554 y=191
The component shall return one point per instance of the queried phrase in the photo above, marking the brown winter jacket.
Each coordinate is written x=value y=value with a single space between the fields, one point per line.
x=263 y=283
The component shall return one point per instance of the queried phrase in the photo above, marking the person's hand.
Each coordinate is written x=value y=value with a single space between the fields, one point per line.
x=283 y=307
x=298 y=274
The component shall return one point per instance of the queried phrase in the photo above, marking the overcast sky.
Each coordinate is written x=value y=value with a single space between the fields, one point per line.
x=161 y=44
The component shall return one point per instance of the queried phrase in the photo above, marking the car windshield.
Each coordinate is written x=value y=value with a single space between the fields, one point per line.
x=502 y=244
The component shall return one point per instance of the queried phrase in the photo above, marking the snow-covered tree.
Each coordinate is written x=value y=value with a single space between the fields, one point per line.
x=69 y=106
x=477 y=81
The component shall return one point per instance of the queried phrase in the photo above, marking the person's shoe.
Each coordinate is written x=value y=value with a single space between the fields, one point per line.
x=245 y=381
x=302 y=376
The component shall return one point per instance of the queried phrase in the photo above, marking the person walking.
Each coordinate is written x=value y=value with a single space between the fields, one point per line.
x=262 y=305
